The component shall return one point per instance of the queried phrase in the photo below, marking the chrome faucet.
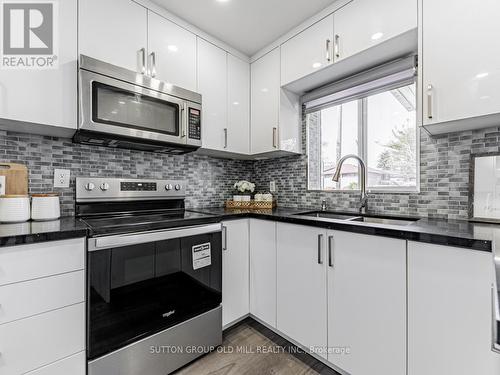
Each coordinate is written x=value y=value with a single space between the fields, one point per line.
x=364 y=200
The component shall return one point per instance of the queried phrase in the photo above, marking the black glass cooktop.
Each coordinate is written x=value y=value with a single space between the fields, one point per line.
x=111 y=224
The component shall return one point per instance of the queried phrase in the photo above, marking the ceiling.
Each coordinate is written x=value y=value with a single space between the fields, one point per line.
x=247 y=25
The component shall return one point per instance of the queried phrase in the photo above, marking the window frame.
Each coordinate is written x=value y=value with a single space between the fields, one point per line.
x=363 y=151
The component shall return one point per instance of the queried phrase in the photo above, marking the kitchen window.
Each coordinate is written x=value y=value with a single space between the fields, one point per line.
x=375 y=120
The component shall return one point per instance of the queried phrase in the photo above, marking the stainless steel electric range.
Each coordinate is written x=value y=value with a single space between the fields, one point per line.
x=154 y=276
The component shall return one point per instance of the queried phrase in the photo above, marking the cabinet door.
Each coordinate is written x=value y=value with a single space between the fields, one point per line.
x=46 y=96
x=461 y=74
x=114 y=31
x=362 y=24
x=308 y=51
x=46 y=337
x=212 y=84
x=235 y=268
x=74 y=365
x=263 y=270
x=265 y=102
x=174 y=49
x=301 y=285
x=450 y=311
x=238 y=75
x=367 y=303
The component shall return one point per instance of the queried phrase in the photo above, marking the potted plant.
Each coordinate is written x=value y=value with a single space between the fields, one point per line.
x=243 y=189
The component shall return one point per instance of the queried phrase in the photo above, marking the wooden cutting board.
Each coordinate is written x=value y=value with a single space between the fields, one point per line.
x=16 y=178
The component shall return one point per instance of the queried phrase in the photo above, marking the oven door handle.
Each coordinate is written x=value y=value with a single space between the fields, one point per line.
x=108 y=242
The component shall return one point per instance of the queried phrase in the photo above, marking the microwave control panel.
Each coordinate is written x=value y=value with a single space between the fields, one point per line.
x=194 y=124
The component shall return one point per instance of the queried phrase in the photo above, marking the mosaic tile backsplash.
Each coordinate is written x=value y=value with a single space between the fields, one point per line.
x=444 y=178
x=444 y=171
x=210 y=180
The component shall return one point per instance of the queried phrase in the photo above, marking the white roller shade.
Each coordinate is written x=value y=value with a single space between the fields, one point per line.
x=385 y=77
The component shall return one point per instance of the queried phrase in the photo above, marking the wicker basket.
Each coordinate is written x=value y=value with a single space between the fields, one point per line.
x=251 y=205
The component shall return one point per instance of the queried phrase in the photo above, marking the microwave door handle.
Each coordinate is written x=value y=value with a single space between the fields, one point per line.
x=183 y=120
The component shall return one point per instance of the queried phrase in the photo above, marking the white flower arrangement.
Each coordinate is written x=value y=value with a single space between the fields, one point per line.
x=243 y=187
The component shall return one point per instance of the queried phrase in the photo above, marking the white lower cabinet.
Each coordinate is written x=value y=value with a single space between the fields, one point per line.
x=450 y=311
x=73 y=365
x=301 y=285
x=366 y=304
x=28 y=344
x=235 y=269
x=42 y=308
x=263 y=271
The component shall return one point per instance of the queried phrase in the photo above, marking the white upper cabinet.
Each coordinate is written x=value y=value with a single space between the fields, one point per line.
x=265 y=102
x=212 y=85
x=114 y=31
x=301 y=285
x=173 y=51
x=308 y=51
x=362 y=24
x=45 y=96
x=238 y=85
x=367 y=303
x=460 y=63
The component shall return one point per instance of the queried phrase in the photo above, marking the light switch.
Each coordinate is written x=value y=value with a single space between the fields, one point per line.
x=272 y=186
x=61 y=178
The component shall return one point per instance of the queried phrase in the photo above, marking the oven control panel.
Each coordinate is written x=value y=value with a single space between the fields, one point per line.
x=138 y=186
x=194 y=124
x=117 y=189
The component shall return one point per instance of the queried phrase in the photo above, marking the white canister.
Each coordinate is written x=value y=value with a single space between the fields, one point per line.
x=45 y=207
x=14 y=208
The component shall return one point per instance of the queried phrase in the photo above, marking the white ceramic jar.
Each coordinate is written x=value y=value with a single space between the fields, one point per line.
x=14 y=208
x=45 y=207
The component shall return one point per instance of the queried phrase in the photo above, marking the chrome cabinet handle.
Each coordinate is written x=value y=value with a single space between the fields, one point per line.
x=330 y=251
x=275 y=137
x=141 y=60
x=152 y=64
x=336 y=46
x=225 y=137
x=320 y=242
x=430 y=101
x=224 y=238
x=328 y=57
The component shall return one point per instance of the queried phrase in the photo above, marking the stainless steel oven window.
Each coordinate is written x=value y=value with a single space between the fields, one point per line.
x=116 y=106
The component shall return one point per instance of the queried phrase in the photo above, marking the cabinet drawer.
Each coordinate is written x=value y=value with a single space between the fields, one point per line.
x=74 y=365
x=21 y=300
x=26 y=262
x=31 y=343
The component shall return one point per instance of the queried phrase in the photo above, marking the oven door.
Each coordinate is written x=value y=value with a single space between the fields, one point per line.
x=112 y=106
x=141 y=284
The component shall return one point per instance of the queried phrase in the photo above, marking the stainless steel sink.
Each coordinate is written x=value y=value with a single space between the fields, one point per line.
x=382 y=220
x=328 y=215
x=365 y=219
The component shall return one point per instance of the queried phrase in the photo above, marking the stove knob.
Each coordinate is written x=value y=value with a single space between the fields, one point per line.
x=90 y=186
x=178 y=187
x=104 y=186
x=168 y=187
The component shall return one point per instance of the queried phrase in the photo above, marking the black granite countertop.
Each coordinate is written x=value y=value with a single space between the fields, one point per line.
x=41 y=231
x=460 y=233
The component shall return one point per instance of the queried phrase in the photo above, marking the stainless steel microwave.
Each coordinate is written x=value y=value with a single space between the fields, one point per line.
x=125 y=109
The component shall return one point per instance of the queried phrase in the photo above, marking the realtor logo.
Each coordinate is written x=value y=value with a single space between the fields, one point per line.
x=28 y=35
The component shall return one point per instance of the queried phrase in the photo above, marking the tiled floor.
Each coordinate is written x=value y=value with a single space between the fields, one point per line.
x=251 y=349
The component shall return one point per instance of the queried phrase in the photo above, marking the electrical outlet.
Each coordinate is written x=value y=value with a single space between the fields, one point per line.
x=61 y=178
x=2 y=185
x=272 y=186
